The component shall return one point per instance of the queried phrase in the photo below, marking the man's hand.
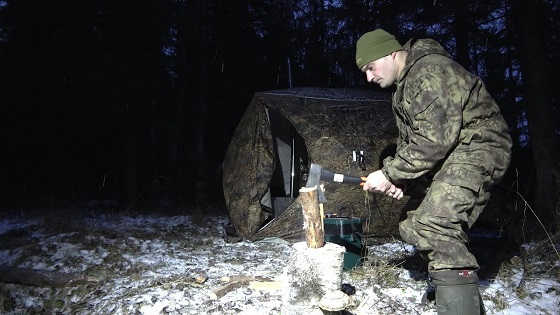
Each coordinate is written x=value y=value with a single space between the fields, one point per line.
x=377 y=182
x=395 y=192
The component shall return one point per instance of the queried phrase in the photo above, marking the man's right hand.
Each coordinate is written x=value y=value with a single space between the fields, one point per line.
x=378 y=183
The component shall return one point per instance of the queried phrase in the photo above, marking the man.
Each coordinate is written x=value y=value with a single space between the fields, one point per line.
x=450 y=131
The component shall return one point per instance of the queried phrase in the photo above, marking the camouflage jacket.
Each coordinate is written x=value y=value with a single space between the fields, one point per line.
x=449 y=125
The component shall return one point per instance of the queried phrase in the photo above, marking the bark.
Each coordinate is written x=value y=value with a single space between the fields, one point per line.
x=312 y=217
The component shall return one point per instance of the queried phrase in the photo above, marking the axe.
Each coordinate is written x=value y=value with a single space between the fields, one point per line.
x=317 y=174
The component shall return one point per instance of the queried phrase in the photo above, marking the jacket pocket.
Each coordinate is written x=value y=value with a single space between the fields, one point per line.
x=468 y=135
x=464 y=175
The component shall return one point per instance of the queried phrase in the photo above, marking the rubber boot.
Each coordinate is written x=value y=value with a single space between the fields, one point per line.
x=429 y=296
x=457 y=292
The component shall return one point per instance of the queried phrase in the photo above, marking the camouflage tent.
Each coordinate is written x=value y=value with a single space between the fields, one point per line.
x=282 y=132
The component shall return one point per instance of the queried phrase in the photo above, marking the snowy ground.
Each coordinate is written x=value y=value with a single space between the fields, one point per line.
x=168 y=265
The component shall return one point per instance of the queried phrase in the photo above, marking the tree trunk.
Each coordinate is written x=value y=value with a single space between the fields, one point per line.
x=461 y=29
x=130 y=168
x=529 y=17
x=318 y=72
x=177 y=144
x=233 y=34
x=200 y=157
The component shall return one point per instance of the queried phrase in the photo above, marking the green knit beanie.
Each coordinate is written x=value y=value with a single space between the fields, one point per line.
x=374 y=45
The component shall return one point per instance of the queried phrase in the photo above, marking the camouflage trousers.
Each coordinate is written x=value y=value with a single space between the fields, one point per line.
x=438 y=227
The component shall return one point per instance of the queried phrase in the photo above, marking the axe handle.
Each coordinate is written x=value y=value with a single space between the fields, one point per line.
x=353 y=179
x=332 y=177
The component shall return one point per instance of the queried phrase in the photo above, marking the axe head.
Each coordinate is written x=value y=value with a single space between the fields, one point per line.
x=314 y=179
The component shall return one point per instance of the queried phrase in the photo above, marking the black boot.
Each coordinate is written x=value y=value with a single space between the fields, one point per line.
x=429 y=296
x=457 y=292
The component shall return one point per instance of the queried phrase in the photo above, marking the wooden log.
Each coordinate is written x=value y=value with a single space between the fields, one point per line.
x=43 y=278
x=312 y=219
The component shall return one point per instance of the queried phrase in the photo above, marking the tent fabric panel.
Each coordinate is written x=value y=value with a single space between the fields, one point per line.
x=248 y=168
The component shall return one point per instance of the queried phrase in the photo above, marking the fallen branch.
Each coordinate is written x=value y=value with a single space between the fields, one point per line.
x=236 y=282
x=42 y=278
x=550 y=240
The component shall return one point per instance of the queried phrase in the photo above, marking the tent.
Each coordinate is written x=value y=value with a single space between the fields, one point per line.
x=281 y=132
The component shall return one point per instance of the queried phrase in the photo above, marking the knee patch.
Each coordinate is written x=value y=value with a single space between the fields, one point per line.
x=407 y=232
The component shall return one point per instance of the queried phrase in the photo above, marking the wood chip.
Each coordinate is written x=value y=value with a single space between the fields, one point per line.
x=334 y=301
x=200 y=278
x=265 y=285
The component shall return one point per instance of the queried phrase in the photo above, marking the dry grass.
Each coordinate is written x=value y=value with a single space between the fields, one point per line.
x=379 y=271
x=499 y=300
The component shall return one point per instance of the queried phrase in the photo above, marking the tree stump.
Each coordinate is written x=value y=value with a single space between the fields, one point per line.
x=315 y=267
x=310 y=274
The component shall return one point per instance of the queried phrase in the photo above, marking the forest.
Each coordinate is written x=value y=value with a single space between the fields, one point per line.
x=136 y=101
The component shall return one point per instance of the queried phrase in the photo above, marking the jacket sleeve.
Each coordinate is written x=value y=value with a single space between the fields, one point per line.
x=432 y=111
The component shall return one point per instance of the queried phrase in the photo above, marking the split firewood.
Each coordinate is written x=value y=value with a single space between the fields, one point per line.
x=312 y=217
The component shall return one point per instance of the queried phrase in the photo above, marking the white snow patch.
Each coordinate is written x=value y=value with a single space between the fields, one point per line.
x=7 y=225
x=147 y=265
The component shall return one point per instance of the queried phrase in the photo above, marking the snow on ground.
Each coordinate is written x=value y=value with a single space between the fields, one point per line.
x=169 y=265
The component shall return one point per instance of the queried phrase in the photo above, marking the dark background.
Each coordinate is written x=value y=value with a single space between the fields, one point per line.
x=136 y=101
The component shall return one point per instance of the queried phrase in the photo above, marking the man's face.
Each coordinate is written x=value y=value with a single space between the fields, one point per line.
x=381 y=71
